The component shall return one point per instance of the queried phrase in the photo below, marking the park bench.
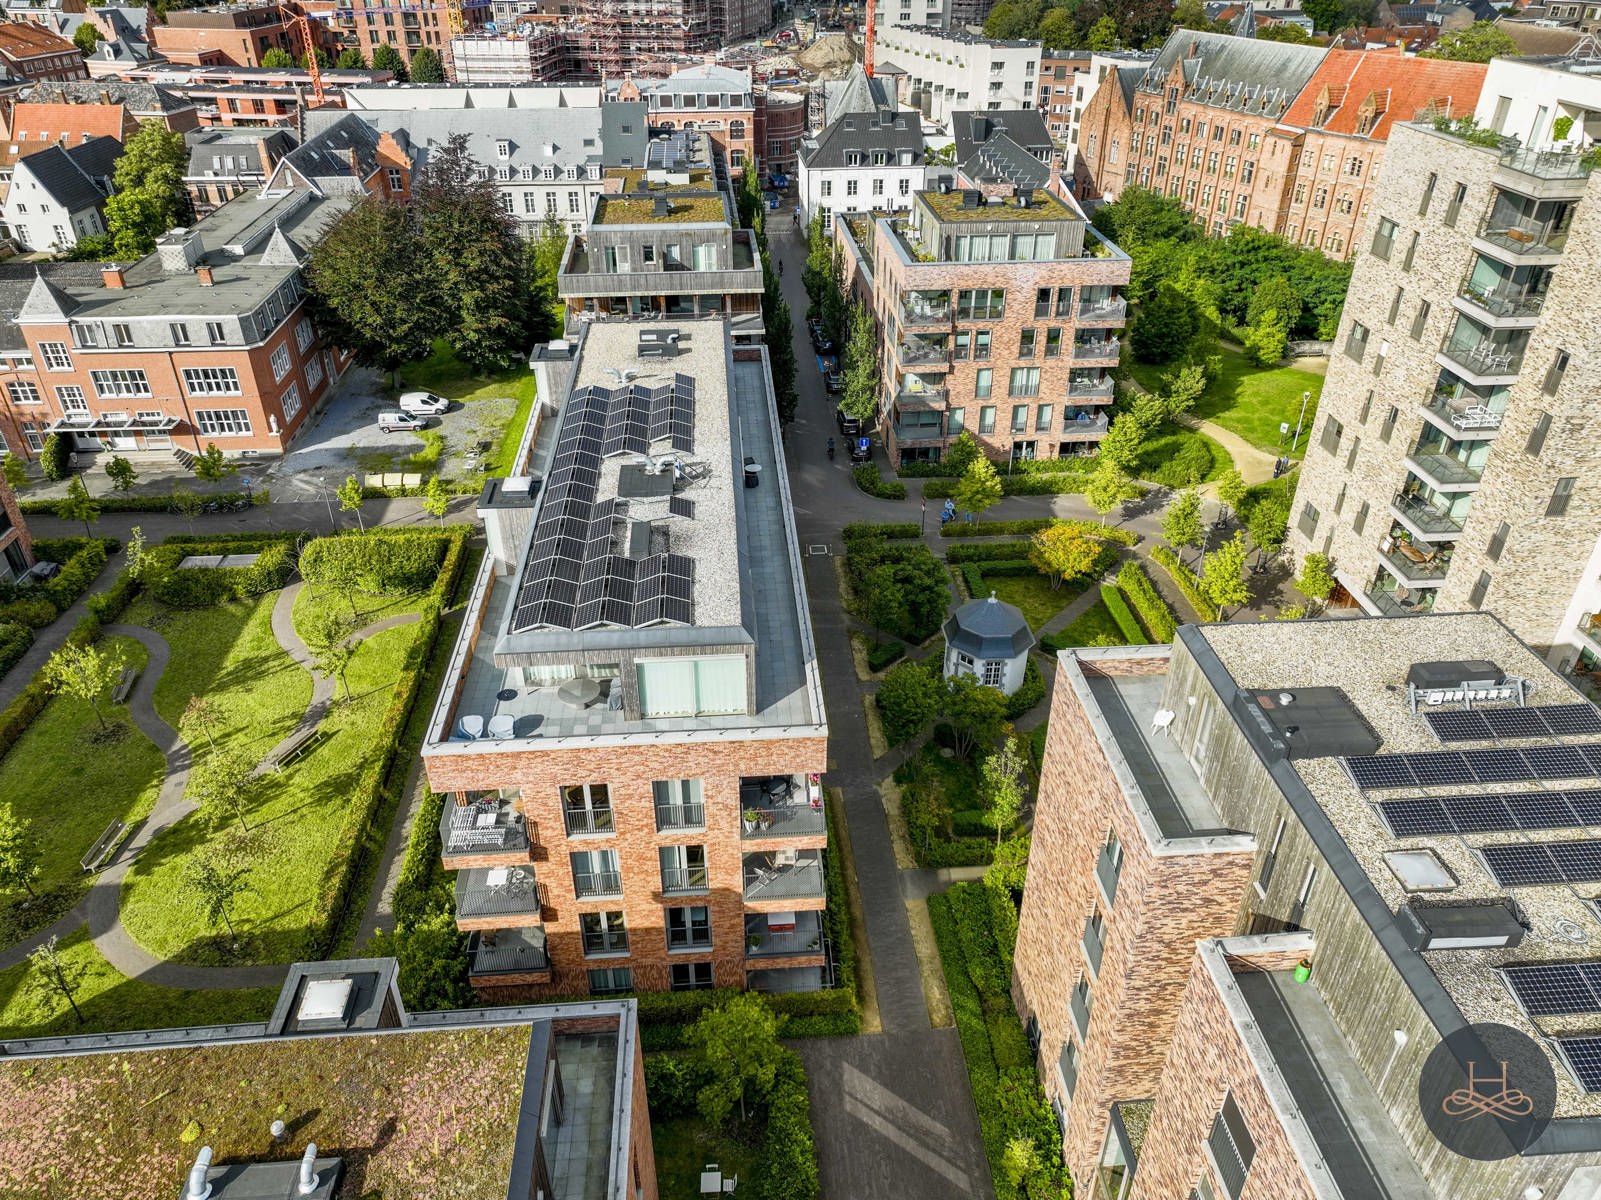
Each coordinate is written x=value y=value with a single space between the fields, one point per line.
x=297 y=745
x=130 y=676
x=104 y=847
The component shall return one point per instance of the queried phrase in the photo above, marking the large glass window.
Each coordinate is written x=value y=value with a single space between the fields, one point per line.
x=595 y=873
x=683 y=868
x=679 y=804
x=586 y=808
x=611 y=981
x=980 y=304
x=604 y=932
x=223 y=422
x=691 y=977
x=689 y=928
x=671 y=687
x=120 y=383
x=213 y=381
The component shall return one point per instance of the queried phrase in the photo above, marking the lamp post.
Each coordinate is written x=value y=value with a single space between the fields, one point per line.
x=1305 y=397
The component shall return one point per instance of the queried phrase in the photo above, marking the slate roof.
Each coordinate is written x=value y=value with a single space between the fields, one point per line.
x=326 y=158
x=989 y=629
x=971 y=128
x=1002 y=160
x=206 y=146
x=140 y=97
x=17 y=281
x=1238 y=74
x=70 y=176
x=855 y=93
x=704 y=77
x=1400 y=86
x=885 y=129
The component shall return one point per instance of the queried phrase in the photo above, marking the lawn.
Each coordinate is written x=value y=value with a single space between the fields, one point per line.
x=1034 y=596
x=369 y=608
x=500 y=424
x=1250 y=401
x=1161 y=454
x=111 y=1001
x=1094 y=628
x=684 y=1145
x=69 y=786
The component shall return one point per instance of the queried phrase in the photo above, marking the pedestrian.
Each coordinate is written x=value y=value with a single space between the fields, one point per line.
x=780 y=268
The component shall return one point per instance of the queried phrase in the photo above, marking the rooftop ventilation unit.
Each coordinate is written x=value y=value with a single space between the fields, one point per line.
x=972 y=199
x=1474 y=681
x=1025 y=196
x=1428 y=926
x=661 y=208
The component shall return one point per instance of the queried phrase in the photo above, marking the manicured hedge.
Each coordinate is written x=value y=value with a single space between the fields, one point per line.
x=1186 y=580
x=1063 y=483
x=837 y=919
x=1029 y=694
x=378 y=563
x=1118 y=607
x=14 y=643
x=201 y=587
x=882 y=654
x=963 y=529
x=1147 y=601
x=870 y=481
x=858 y=531
x=119 y=502
x=987 y=552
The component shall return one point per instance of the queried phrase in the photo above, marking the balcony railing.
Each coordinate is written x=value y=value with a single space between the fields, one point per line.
x=481 y=829
x=924 y=397
x=1549 y=164
x=598 y=883
x=799 y=880
x=684 y=879
x=1084 y=426
x=497 y=892
x=1464 y=415
x=1445 y=469
x=785 y=820
x=1524 y=238
x=805 y=938
x=1103 y=310
x=925 y=314
x=911 y=354
x=1102 y=348
x=1481 y=357
x=589 y=820
x=680 y=816
x=1401 y=602
x=1425 y=516
x=1504 y=303
x=507 y=952
x=1091 y=389
x=1416 y=565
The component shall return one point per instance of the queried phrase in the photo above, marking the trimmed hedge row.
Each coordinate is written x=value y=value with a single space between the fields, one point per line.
x=1186 y=580
x=1118 y=607
x=453 y=487
x=870 y=481
x=14 y=642
x=987 y=552
x=895 y=531
x=837 y=920
x=119 y=502
x=202 y=587
x=882 y=654
x=403 y=561
x=81 y=559
x=1147 y=601
x=965 y=529
x=1028 y=694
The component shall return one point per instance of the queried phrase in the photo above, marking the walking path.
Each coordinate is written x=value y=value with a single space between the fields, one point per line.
x=48 y=640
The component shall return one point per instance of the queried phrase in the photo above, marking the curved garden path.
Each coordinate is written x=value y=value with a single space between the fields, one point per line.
x=100 y=909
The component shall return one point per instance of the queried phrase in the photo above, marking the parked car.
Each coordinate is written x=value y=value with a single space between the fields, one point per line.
x=859 y=452
x=848 y=425
x=423 y=404
x=400 y=422
x=833 y=379
x=820 y=341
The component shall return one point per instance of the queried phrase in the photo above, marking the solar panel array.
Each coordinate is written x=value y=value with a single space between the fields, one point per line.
x=1505 y=813
x=1583 y=1055
x=1483 y=724
x=1445 y=768
x=574 y=579
x=1556 y=989
x=1525 y=864
x=681 y=506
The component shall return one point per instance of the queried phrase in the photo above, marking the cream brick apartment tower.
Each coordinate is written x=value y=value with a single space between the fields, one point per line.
x=1452 y=465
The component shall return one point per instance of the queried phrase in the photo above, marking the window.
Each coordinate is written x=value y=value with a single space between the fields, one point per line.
x=210 y=381
x=1561 y=496
x=1411 y=252
x=878 y=187
x=22 y=391
x=683 y=868
x=1536 y=442
x=290 y=403
x=313 y=371
x=689 y=928
x=303 y=334
x=691 y=977
x=1042 y=418
x=1481 y=587
x=1388 y=426
x=1025 y=343
x=1356 y=344
x=1308 y=522
x=1350 y=458
x=1339 y=500
x=981 y=345
x=1452 y=210
x=986 y=419
x=1359 y=522
x=122 y=334
x=1053 y=343
x=1230 y=1148
x=1395 y=305
x=280 y=363
x=1079 y=1003
x=1384 y=238
x=604 y=933
x=961 y=346
x=550 y=204
x=1419 y=320
x=692 y=686
x=1498 y=542
x=595 y=873
x=1025 y=381
x=981 y=383
x=71 y=399
x=1367 y=407
x=214 y=333
x=56 y=357
x=1064 y=302
x=1067 y=1063
x=905 y=187
x=611 y=981
x=397 y=182
x=505 y=203
x=120 y=383
x=1428 y=194
x=1042 y=302
x=223 y=422
x=981 y=304
x=85 y=336
x=1332 y=432
x=1019 y=418
x=1553 y=377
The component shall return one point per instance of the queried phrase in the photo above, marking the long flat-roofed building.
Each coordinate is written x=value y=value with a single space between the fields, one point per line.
x=1274 y=868
x=631 y=730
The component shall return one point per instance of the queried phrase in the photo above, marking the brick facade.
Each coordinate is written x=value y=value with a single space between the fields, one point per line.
x=16 y=543
x=235 y=37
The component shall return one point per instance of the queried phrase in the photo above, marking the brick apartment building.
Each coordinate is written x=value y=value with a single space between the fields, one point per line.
x=780 y=127
x=227 y=36
x=205 y=340
x=1452 y=463
x=1288 y=138
x=631 y=733
x=33 y=54
x=1250 y=920
x=405 y=27
x=999 y=316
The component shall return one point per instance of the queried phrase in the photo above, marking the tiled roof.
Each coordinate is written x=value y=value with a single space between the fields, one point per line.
x=139 y=97
x=1238 y=74
x=884 y=130
x=1540 y=39
x=23 y=39
x=1397 y=86
x=30 y=120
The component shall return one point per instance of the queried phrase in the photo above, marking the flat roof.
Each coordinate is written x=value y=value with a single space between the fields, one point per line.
x=1369 y=660
x=683 y=208
x=1043 y=206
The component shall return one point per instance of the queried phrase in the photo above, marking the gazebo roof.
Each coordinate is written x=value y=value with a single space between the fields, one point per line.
x=989 y=629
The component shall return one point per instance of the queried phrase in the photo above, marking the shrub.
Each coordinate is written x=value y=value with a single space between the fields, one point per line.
x=14 y=643
x=33 y=613
x=200 y=587
x=882 y=654
x=122 y=502
x=378 y=563
x=55 y=458
x=899 y=586
x=858 y=531
x=1186 y=580
x=786 y=1167
x=1028 y=694
x=907 y=699
x=671 y=1082
x=1147 y=601
x=1176 y=458
x=870 y=481
x=1118 y=607
x=982 y=552
x=837 y=921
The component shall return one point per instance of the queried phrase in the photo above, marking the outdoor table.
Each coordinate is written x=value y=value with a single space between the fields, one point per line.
x=711 y=1183
x=580 y=693
x=498 y=879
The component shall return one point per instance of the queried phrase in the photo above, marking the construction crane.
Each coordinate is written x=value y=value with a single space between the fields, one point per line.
x=872 y=7
x=455 y=17
x=302 y=26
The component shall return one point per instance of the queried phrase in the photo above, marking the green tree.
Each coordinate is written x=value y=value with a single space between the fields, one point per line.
x=277 y=59
x=1141 y=216
x=1059 y=27
x=1478 y=43
x=1001 y=788
x=818 y=272
x=351 y=498
x=186 y=504
x=1181 y=521
x=212 y=465
x=1013 y=19
x=1102 y=35
x=1265 y=341
x=432 y=955
x=1191 y=14
x=1278 y=294
x=1269 y=525
x=426 y=67
x=836 y=303
x=473 y=255
x=15 y=471
x=56 y=458
x=979 y=487
x=387 y=58
x=138 y=561
x=79 y=505
x=54 y=975
x=1109 y=487
x=906 y=596
x=1009 y=868
x=737 y=1046
x=216 y=880
x=1183 y=388
x=546 y=310
x=1166 y=325
x=781 y=356
x=203 y=712
x=1231 y=489
x=975 y=713
x=149 y=196
x=84 y=673
x=1324 y=14
x=963 y=453
x=1316 y=579
x=121 y=473
x=1223 y=577
x=370 y=282
x=328 y=638
x=1125 y=440
x=351 y=60
x=908 y=699
x=20 y=861
x=226 y=782
x=86 y=37
x=861 y=366
x=1060 y=552
x=436 y=499
x=1286 y=32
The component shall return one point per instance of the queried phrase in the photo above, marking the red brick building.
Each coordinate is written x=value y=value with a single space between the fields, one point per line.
x=632 y=756
x=32 y=53
x=236 y=36
x=16 y=544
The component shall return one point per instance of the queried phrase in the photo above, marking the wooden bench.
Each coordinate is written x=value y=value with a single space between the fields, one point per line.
x=297 y=745
x=130 y=676
x=104 y=847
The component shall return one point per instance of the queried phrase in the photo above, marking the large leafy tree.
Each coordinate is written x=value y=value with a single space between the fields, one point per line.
x=738 y=1049
x=370 y=281
x=351 y=60
x=1140 y=215
x=387 y=58
x=861 y=366
x=1478 y=43
x=277 y=58
x=1001 y=786
x=1181 y=521
x=19 y=852
x=149 y=196
x=1061 y=552
x=546 y=313
x=1166 y=325
x=85 y=673
x=426 y=67
x=473 y=255
x=86 y=37
x=979 y=488
x=1223 y=579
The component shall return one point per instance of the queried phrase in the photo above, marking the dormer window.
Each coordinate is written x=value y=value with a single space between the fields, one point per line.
x=503 y=149
x=527 y=173
x=550 y=171
x=504 y=173
x=853 y=158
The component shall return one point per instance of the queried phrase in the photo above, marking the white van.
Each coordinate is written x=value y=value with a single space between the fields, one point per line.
x=391 y=422
x=423 y=404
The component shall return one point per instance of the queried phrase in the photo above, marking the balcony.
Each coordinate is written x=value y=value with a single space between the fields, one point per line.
x=1091 y=389
x=482 y=828
x=1482 y=360
x=1466 y=417
x=1084 y=425
x=1544 y=174
x=1443 y=470
x=1394 y=599
x=923 y=433
x=1501 y=307
x=1419 y=566
x=507 y=952
x=782 y=806
x=679 y=881
x=671 y=817
x=1429 y=521
x=1099 y=349
x=782 y=876
x=762 y=941
x=1103 y=312
x=497 y=892
x=588 y=885
x=918 y=353
x=922 y=315
x=1524 y=243
x=581 y=822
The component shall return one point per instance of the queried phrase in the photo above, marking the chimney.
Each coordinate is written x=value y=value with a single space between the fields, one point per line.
x=179 y=250
x=112 y=277
x=203 y=276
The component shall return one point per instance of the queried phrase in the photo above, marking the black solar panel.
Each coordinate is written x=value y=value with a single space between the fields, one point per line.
x=1571 y=718
x=681 y=506
x=1458 y=726
x=1373 y=772
x=1414 y=818
x=1483 y=724
x=1377 y=772
x=1441 y=767
x=1556 y=989
x=1498 y=766
x=1583 y=1056
x=1523 y=864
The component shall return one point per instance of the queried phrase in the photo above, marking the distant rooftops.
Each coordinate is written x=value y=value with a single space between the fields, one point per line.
x=958 y=35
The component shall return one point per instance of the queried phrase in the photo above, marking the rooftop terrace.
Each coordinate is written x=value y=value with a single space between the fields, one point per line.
x=662 y=207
